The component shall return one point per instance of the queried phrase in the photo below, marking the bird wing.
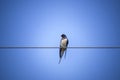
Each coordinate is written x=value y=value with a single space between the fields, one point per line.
x=60 y=49
x=67 y=43
x=66 y=47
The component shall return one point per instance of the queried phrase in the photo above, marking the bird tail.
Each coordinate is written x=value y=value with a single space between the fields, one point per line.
x=59 y=61
x=65 y=53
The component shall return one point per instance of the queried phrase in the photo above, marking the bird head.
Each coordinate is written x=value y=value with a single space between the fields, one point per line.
x=63 y=36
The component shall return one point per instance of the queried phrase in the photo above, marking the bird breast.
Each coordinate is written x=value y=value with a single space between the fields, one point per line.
x=63 y=43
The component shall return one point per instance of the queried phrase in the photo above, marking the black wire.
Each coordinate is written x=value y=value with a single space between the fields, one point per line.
x=75 y=47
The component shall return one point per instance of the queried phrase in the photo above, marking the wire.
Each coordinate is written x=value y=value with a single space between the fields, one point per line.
x=47 y=47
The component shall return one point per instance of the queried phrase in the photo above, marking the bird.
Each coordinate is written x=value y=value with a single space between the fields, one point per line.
x=63 y=46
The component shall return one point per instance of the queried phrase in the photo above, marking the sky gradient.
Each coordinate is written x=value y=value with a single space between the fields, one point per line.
x=41 y=22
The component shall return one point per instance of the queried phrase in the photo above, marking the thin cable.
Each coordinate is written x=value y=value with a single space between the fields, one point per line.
x=75 y=47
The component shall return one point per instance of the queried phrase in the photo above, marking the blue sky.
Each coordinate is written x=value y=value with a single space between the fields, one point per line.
x=40 y=23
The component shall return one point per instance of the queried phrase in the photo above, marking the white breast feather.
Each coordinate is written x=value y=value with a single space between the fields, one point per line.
x=63 y=43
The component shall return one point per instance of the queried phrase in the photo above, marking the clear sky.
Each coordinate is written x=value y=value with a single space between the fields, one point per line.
x=41 y=22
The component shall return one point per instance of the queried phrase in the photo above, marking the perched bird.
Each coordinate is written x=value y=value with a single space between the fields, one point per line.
x=63 y=46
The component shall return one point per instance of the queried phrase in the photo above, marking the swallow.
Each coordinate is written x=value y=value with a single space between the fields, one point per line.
x=63 y=46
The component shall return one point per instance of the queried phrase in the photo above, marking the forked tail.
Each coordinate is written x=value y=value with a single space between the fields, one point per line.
x=65 y=53
x=59 y=61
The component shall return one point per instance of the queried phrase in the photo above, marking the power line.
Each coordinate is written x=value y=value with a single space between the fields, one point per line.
x=48 y=47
